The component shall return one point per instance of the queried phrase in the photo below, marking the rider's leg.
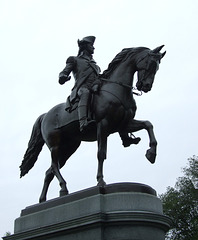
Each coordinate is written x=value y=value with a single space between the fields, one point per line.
x=84 y=95
x=127 y=141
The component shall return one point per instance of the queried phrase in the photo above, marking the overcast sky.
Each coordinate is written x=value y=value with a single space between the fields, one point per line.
x=36 y=39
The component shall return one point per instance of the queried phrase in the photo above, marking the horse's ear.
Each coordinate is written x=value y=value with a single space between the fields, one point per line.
x=157 y=49
x=162 y=55
x=156 y=52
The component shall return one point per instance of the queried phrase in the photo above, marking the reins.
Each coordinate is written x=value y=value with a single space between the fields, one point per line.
x=123 y=85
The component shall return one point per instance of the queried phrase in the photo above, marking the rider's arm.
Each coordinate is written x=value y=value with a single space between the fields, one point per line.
x=64 y=75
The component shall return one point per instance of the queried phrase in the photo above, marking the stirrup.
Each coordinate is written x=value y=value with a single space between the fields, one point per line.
x=130 y=140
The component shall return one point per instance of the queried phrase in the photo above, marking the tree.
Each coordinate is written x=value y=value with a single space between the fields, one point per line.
x=181 y=204
x=8 y=234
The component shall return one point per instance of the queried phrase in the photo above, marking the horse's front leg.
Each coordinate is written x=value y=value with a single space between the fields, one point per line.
x=102 y=152
x=137 y=125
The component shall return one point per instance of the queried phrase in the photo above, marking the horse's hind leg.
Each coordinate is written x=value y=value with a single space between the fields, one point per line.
x=57 y=158
x=49 y=175
x=57 y=163
x=59 y=155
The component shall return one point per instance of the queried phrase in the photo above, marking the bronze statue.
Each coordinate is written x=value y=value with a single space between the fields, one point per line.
x=113 y=109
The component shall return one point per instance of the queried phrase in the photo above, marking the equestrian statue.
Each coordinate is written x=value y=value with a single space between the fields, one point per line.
x=99 y=105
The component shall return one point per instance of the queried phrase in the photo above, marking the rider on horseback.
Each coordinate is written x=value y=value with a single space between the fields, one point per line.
x=86 y=74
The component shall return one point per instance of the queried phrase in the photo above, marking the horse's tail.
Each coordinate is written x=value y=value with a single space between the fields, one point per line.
x=35 y=145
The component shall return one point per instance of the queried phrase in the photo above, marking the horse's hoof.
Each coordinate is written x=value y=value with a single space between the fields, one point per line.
x=101 y=183
x=41 y=200
x=63 y=193
x=150 y=155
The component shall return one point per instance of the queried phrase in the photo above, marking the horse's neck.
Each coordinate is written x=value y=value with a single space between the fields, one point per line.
x=120 y=84
x=124 y=74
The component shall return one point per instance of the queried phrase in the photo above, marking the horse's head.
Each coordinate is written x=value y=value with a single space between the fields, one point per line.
x=147 y=67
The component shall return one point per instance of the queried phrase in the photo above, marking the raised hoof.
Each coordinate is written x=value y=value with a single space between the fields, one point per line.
x=151 y=156
x=63 y=193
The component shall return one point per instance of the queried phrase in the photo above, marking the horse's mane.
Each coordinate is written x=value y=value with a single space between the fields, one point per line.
x=121 y=57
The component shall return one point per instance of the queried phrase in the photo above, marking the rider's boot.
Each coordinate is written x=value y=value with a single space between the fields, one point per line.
x=127 y=141
x=83 y=112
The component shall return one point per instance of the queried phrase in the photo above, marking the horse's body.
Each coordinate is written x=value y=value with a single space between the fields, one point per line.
x=113 y=109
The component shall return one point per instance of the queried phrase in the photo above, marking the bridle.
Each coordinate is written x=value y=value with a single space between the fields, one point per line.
x=145 y=70
x=123 y=85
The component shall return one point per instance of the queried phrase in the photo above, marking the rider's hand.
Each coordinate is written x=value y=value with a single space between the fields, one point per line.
x=63 y=79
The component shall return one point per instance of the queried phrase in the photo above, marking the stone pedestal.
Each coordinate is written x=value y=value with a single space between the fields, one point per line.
x=122 y=211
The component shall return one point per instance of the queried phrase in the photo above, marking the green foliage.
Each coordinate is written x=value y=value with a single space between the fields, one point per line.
x=8 y=234
x=181 y=204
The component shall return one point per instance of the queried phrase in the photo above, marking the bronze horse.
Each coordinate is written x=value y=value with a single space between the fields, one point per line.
x=113 y=109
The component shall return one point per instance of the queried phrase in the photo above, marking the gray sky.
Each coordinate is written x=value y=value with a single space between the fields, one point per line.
x=36 y=39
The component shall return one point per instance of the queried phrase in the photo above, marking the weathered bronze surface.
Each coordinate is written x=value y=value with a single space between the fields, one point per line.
x=106 y=101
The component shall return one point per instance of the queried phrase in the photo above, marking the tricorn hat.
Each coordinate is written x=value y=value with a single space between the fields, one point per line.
x=89 y=39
